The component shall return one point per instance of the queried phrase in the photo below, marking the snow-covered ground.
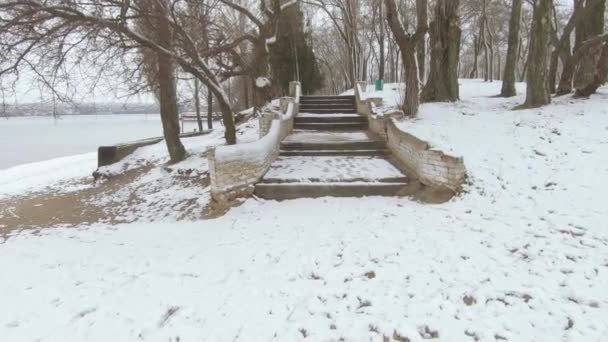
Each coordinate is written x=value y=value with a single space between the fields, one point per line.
x=34 y=139
x=522 y=255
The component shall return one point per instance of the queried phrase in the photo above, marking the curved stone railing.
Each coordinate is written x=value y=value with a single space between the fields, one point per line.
x=235 y=169
x=431 y=167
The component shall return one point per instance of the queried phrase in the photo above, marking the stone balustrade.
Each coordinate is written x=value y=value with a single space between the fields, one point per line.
x=431 y=167
x=235 y=169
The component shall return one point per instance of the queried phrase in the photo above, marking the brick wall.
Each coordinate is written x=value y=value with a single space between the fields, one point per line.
x=431 y=167
x=235 y=169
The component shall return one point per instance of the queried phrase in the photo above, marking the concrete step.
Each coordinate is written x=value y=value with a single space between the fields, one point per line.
x=332 y=105
x=329 y=111
x=323 y=110
x=328 y=126
x=327 y=103
x=285 y=191
x=326 y=98
x=346 y=153
x=333 y=146
x=339 y=110
x=330 y=118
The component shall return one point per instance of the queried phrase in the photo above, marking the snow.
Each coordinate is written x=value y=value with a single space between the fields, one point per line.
x=322 y=137
x=332 y=169
x=61 y=172
x=255 y=150
x=262 y=82
x=33 y=139
x=522 y=255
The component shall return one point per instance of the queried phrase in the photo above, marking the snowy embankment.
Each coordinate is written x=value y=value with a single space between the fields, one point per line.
x=521 y=256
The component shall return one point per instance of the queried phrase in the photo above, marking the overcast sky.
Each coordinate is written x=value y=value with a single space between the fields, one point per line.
x=27 y=90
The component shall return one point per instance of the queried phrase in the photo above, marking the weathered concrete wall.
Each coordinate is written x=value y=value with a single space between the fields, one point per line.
x=107 y=155
x=235 y=169
x=431 y=167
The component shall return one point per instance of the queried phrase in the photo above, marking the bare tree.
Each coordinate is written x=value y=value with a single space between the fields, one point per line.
x=445 y=53
x=30 y=27
x=160 y=71
x=508 y=82
x=422 y=18
x=407 y=46
x=257 y=67
x=600 y=77
x=592 y=26
x=537 y=92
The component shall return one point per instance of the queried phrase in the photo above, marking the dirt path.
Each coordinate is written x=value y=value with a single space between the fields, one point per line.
x=128 y=192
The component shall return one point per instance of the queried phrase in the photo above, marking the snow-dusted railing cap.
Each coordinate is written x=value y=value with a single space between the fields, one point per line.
x=295 y=90
x=360 y=90
x=289 y=113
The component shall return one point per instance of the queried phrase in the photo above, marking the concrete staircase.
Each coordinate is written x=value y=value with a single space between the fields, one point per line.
x=332 y=153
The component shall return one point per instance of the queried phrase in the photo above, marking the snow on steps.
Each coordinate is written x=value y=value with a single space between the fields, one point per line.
x=234 y=169
x=432 y=167
x=335 y=176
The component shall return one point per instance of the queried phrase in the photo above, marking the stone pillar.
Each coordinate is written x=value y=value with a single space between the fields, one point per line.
x=213 y=181
x=292 y=88
x=362 y=85
x=362 y=106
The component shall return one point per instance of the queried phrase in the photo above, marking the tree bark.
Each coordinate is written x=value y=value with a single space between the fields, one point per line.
x=407 y=45
x=167 y=93
x=486 y=56
x=476 y=48
x=381 y=42
x=600 y=77
x=591 y=26
x=422 y=15
x=445 y=35
x=508 y=82
x=491 y=46
x=565 y=83
x=197 y=105
x=537 y=93
x=209 y=109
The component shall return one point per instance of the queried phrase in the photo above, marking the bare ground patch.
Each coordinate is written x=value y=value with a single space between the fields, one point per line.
x=128 y=194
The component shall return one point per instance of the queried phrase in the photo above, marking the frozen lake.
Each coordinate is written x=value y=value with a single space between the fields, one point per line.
x=31 y=139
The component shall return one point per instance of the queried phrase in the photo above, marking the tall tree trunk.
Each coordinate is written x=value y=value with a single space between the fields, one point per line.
x=445 y=34
x=381 y=42
x=159 y=69
x=491 y=46
x=537 y=93
x=261 y=90
x=600 y=76
x=484 y=41
x=209 y=108
x=407 y=45
x=552 y=78
x=168 y=109
x=197 y=105
x=165 y=78
x=474 y=72
x=565 y=83
x=591 y=26
x=508 y=81
x=422 y=15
